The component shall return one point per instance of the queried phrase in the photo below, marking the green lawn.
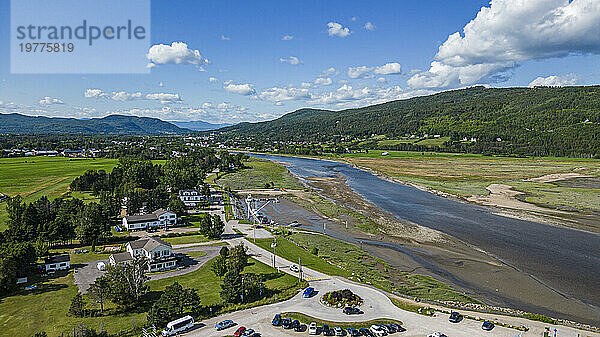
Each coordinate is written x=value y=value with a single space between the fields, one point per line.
x=179 y=240
x=197 y=253
x=45 y=309
x=259 y=173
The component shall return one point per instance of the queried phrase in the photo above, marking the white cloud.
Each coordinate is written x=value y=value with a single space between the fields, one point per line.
x=323 y=81
x=331 y=71
x=287 y=37
x=125 y=96
x=359 y=72
x=509 y=32
x=353 y=18
x=176 y=53
x=277 y=94
x=50 y=100
x=213 y=79
x=369 y=26
x=225 y=38
x=95 y=93
x=381 y=80
x=307 y=85
x=245 y=89
x=554 y=81
x=336 y=29
x=293 y=60
x=164 y=98
x=388 y=69
x=161 y=84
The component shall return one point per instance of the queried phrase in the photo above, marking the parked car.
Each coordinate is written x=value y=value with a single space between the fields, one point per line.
x=487 y=325
x=352 y=332
x=385 y=328
x=365 y=332
x=179 y=325
x=286 y=323
x=377 y=330
x=313 y=329
x=295 y=324
x=276 y=320
x=101 y=266
x=398 y=327
x=338 y=331
x=437 y=334
x=239 y=331
x=455 y=317
x=351 y=311
x=295 y=268
x=327 y=331
x=308 y=292
x=224 y=325
x=248 y=333
x=300 y=328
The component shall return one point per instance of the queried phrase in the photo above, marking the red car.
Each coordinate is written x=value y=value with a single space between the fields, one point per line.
x=239 y=331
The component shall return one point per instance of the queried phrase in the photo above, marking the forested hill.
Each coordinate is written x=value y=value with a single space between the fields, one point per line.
x=113 y=124
x=525 y=121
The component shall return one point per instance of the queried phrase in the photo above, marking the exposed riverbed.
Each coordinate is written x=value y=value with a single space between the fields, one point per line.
x=527 y=265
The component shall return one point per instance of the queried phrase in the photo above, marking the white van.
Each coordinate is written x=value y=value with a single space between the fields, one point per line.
x=179 y=325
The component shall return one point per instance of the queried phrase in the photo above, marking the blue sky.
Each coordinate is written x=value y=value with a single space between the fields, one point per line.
x=379 y=50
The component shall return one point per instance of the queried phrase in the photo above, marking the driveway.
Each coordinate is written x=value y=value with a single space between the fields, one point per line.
x=86 y=273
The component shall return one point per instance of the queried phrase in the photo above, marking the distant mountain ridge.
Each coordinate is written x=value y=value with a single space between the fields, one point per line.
x=200 y=125
x=112 y=124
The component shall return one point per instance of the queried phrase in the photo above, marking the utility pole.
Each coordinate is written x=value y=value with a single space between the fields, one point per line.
x=300 y=267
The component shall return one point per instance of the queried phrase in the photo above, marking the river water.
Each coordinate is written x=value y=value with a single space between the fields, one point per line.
x=565 y=259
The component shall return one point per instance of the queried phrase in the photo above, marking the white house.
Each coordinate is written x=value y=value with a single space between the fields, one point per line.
x=157 y=252
x=191 y=198
x=57 y=262
x=158 y=218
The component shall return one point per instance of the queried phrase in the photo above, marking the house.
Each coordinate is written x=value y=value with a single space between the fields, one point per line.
x=158 y=218
x=57 y=262
x=157 y=252
x=193 y=197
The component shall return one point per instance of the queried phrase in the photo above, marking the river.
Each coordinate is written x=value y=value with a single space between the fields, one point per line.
x=568 y=260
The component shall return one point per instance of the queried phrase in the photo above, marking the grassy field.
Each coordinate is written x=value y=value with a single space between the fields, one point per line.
x=33 y=177
x=259 y=173
x=469 y=174
x=46 y=308
x=362 y=267
x=291 y=252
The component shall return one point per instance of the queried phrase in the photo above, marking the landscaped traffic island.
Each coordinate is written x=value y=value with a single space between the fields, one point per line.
x=341 y=298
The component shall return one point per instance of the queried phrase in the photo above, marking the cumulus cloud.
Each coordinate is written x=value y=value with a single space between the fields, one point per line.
x=176 y=53
x=388 y=69
x=336 y=29
x=213 y=79
x=331 y=71
x=225 y=38
x=287 y=37
x=369 y=26
x=164 y=98
x=50 y=100
x=245 y=89
x=348 y=96
x=360 y=72
x=125 y=96
x=381 y=80
x=277 y=94
x=509 y=32
x=323 y=81
x=554 y=81
x=95 y=93
x=293 y=60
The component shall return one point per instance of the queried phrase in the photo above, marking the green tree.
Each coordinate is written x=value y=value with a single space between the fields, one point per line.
x=238 y=258
x=99 y=291
x=231 y=288
x=93 y=225
x=127 y=282
x=174 y=302
x=177 y=206
x=219 y=266
x=77 y=307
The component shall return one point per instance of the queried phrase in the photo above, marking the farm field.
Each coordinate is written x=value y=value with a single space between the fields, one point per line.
x=34 y=177
x=258 y=175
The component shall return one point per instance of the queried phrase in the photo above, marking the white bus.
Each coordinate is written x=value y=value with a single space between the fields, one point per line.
x=179 y=325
